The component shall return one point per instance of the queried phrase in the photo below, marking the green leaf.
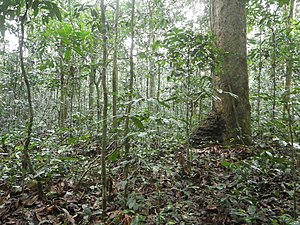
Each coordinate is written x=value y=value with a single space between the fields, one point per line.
x=251 y=210
x=164 y=104
x=269 y=153
x=68 y=53
x=138 y=123
x=291 y=193
x=142 y=134
x=283 y=2
x=158 y=102
x=29 y=2
x=56 y=11
x=226 y=164
x=78 y=50
x=2 y=26
x=35 y=7
x=45 y=19
x=114 y=156
x=132 y=204
x=11 y=14
x=156 y=45
x=94 y=13
x=122 y=184
x=156 y=169
x=142 y=55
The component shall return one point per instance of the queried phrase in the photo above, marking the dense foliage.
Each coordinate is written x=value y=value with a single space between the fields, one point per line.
x=166 y=47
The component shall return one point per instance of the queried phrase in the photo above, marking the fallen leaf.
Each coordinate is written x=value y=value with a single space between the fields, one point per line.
x=211 y=207
x=68 y=217
x=31 y=201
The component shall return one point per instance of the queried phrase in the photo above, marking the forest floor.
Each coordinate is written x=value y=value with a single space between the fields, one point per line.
x=218 y=185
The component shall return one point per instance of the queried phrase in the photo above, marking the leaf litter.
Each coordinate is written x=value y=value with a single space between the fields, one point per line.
x=218 y=185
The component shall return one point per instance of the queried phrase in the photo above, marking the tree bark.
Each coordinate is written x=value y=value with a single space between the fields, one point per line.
x=27 y=164
x=92 y=77
x=105 y=109
x=115 y=67
x=228 y=20
x=289 y=64
x=63 y=101
x=128 y=109
x=26 y=161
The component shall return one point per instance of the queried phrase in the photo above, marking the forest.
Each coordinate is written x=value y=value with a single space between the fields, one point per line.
x=132 y=112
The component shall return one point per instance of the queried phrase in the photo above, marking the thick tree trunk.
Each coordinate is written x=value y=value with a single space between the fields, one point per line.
x=228 y=18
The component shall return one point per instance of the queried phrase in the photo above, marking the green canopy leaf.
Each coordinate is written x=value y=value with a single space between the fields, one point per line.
x=137 y=122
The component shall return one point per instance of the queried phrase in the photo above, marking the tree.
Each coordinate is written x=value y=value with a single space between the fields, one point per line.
x=230 y=80
x=27 y=164
x=289 y=62
x=115 y=65
x=131 y=89
x=105 y=108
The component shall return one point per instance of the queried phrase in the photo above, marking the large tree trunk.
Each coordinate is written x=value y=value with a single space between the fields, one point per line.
x=230 y=82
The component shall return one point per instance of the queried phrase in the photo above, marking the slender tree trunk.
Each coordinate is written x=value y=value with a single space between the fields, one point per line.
x=72 y=86
x=287 y=114
x=260 y=67
x=26 y=163
x=63 y=106
x=228 y=19
x=151 y=81
x=158 y=81
x=188 y=111
x=289 y=65
x=273 y=75
x=128 y=110
x=99 y=108
x=150 y=61
x=92 y=77
x=115 y=67
x=105 y=109
x=159 y=85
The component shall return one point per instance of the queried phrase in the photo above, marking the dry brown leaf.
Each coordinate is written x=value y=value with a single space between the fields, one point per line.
x=127 y=220
x=50 y=209
x=31 y=201
x=68 y=217
x=211 y=207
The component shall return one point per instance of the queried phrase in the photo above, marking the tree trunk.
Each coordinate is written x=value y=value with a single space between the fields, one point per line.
x=289 y=65
x=273 y=75
x=63 y=104
x=115 y=68
x=228 y=18
x=128 y=109
x=92 y=81
x=105 y=109
x=259 y=76
x=26 y=161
